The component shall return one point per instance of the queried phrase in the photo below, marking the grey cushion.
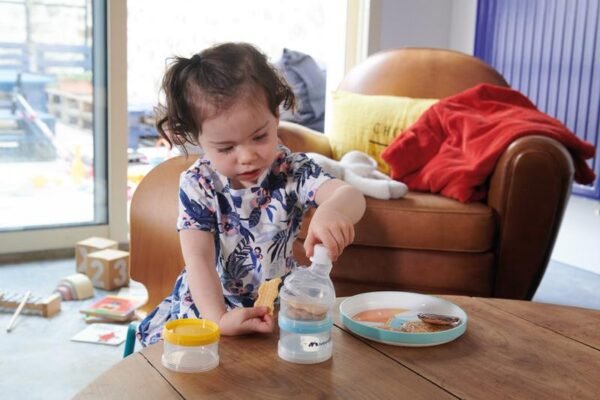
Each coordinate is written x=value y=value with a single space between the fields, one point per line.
x=307 y=80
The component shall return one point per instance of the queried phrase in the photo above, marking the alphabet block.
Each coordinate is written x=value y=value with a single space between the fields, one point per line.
x=90 y=245
x=108 y=269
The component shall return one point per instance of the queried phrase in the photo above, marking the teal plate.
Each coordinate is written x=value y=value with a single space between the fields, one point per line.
x=408 y=305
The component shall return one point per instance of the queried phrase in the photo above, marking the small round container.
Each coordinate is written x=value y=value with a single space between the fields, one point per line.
x=191 y=345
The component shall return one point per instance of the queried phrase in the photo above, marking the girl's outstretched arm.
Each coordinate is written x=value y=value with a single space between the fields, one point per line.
x=205 y=286
x=340 y=206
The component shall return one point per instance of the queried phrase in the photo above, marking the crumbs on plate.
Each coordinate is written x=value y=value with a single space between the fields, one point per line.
x=416 y=327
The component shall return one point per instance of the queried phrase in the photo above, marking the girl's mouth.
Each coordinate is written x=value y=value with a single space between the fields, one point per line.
x=249 y=175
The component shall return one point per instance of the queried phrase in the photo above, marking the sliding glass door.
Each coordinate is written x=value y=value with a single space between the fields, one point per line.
x=53 y=121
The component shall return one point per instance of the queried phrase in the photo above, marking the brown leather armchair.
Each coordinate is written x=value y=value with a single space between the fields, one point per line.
x=423 y=242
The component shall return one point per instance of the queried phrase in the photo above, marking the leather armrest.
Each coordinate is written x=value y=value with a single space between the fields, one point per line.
x=529 y=190
x=302 y=139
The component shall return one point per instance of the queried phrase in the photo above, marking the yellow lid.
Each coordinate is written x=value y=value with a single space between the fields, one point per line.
x=191 y=332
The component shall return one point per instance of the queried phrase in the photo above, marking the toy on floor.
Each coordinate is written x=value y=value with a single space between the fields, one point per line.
x=90 y=245
x=108 y=269
x=11 y=324
x=101 y=260
x=360 y=170
x=46 y=307
x=75 y=287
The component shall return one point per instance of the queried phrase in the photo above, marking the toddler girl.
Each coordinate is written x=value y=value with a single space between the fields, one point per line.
x=242 y=202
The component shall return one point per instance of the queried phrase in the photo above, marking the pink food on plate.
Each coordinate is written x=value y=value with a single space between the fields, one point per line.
x=377 y=314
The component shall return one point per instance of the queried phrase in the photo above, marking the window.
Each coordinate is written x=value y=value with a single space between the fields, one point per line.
x=53 y=122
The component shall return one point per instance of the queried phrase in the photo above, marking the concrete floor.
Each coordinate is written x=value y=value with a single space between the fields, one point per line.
x=579 y=235
x=38 y=360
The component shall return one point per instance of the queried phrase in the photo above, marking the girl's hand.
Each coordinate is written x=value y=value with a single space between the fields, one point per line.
x=333 y=229
x=242 y=321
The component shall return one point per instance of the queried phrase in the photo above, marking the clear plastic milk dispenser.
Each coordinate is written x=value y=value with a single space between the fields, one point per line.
x=306 y=303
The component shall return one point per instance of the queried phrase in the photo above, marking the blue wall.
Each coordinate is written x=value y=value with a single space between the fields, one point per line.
x=550 y=51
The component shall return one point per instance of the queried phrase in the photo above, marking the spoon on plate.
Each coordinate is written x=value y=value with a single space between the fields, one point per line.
x=438 y=319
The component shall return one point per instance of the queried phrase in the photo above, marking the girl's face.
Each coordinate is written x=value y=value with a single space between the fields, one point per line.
x=241 y=142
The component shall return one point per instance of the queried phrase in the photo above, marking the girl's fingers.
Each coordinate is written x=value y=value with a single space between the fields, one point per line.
x=334 y=238
x=346 y=236
x=332 y=242
x=309 y=244
x=264 y=324
x=255 y=312
x=349 y=234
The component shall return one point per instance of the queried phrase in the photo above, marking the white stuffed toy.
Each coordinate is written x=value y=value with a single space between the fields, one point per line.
x=360 y=170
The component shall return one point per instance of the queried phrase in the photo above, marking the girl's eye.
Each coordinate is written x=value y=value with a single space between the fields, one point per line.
x=260 y=137
x=225 y=150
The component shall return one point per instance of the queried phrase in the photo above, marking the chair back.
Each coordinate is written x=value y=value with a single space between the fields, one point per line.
x=155 y=254
x=419 y=73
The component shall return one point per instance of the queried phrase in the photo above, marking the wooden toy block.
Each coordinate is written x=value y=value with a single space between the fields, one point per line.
x=108 y=269
x=90 y=245
x=46 y=307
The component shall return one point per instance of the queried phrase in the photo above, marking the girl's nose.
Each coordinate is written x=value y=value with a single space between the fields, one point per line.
x=246 y=156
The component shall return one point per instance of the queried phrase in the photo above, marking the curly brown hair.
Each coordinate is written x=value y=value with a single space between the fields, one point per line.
x=199 y=87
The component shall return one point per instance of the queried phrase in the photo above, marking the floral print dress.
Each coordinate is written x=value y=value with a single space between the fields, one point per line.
x=254 y=229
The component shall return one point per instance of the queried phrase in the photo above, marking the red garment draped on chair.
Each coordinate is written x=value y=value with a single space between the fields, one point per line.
x=454 y=146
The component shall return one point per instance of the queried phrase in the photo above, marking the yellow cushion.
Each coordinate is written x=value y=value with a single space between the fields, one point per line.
x=370 y=123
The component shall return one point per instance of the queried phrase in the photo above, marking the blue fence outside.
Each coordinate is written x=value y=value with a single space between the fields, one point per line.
x=52 y=56
x=13 y=56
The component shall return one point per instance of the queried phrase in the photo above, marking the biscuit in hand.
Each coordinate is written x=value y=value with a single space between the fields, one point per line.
x=267 y=293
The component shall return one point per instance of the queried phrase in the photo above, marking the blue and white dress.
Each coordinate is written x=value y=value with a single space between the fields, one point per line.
x=254 y=230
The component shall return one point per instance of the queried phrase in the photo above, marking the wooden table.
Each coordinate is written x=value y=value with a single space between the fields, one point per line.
x=511 y=349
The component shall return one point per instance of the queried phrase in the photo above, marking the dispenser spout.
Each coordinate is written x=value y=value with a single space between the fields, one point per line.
x=321 y=262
